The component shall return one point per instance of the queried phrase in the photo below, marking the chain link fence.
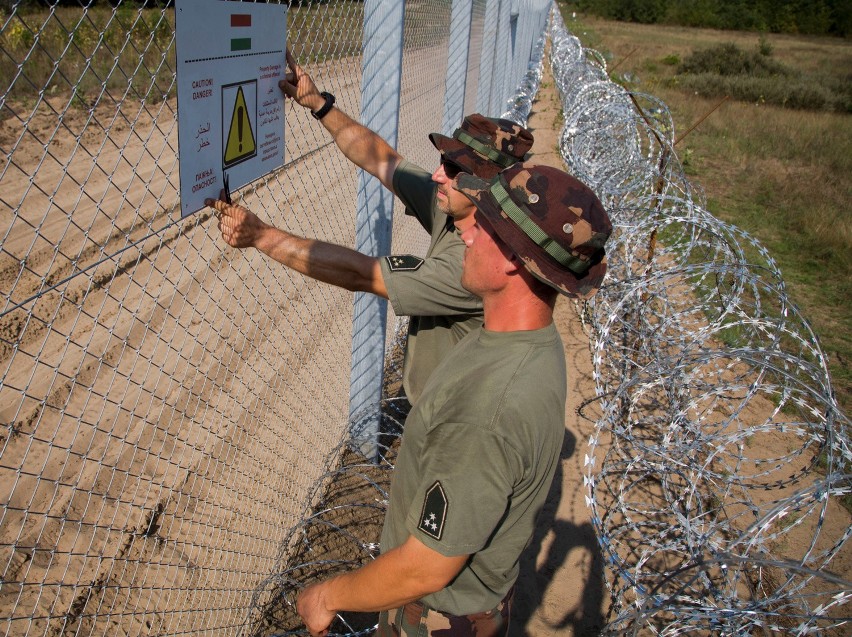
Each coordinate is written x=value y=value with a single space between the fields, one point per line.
x=171 y=408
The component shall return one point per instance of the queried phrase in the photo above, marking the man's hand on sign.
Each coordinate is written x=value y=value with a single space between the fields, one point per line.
x=299 y=86
x=240 y=227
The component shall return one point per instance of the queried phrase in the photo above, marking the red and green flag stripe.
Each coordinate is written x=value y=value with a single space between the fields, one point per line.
x=240 y=20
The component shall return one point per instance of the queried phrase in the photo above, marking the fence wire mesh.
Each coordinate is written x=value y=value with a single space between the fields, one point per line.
x=716 y=470
x=172 y=409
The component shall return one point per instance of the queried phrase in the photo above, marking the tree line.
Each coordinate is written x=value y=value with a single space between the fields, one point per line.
x=807 y=17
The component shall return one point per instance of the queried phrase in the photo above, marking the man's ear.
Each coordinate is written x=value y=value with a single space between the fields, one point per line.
x=514 y=264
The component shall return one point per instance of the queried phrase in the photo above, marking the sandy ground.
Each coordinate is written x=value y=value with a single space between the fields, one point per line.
x=561 y=590
x=168 y=404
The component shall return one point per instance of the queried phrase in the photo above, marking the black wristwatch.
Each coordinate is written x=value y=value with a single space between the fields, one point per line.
x=325 y=108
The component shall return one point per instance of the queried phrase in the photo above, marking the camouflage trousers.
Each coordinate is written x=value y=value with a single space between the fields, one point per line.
x=418 y=620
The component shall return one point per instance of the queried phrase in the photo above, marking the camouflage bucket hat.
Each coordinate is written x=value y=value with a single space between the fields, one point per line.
x=483 y=146
x=552 y=221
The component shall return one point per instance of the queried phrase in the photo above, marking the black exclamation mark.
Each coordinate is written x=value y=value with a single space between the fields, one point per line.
x=240 y=126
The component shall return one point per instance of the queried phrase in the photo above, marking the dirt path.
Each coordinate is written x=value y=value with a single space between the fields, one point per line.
x=561 y=590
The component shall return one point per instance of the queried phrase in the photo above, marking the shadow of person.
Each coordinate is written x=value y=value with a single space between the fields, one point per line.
x=539 y=565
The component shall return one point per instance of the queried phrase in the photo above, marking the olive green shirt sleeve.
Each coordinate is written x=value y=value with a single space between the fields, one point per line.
x=416 y=190
x=430 y=286
x=476 y=470
x=433 y=288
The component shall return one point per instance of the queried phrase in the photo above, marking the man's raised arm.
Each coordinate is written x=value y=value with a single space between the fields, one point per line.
x=362 y=147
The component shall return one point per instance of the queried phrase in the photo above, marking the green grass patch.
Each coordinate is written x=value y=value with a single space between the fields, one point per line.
x=87 y=53
x=328 y=31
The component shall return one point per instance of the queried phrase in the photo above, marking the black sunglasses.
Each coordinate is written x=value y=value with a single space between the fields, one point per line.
x=451 y=170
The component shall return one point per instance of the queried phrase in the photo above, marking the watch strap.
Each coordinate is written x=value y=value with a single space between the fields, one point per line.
x=325 y=108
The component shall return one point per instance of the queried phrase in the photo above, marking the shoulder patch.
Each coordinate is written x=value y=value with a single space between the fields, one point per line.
x=434 y=512
x=403 y=262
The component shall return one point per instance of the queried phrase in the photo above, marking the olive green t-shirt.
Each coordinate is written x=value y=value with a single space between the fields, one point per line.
x=477 y=458
x=428 y=289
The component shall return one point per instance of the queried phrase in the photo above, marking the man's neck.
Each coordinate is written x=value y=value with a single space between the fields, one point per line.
x=512 y=311
x=463 y=222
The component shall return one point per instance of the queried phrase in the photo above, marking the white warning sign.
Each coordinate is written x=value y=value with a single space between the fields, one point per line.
x=230 y=109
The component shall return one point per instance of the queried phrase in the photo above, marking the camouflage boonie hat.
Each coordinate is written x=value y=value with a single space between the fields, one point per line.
x=552 y=221
x=483 y=146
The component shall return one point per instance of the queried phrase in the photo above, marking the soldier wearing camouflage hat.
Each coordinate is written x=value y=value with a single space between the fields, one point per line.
x=481 y=445
x=427 y=289
x=483 y=146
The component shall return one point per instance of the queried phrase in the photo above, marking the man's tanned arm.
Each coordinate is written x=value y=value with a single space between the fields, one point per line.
x=326 y=262
x=361 y=146
x=402 y=575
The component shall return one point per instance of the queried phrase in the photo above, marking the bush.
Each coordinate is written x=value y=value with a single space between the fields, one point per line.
x=795 y=93
x=694 y=13
x=729 y=59
x=752 y=76
x=18 y=37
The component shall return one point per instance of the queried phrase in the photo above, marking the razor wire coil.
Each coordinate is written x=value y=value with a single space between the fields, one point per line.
x=720 y=437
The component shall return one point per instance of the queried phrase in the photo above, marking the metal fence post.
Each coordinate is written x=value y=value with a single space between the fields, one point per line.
x=486 y=57
x=495 y=60
x=515 y=39
x=522 y=20
x=502 y=60
x=380 y=91
x=460 y=22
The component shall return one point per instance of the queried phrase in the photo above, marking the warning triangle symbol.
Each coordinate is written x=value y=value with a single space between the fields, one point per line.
x=240 y=144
